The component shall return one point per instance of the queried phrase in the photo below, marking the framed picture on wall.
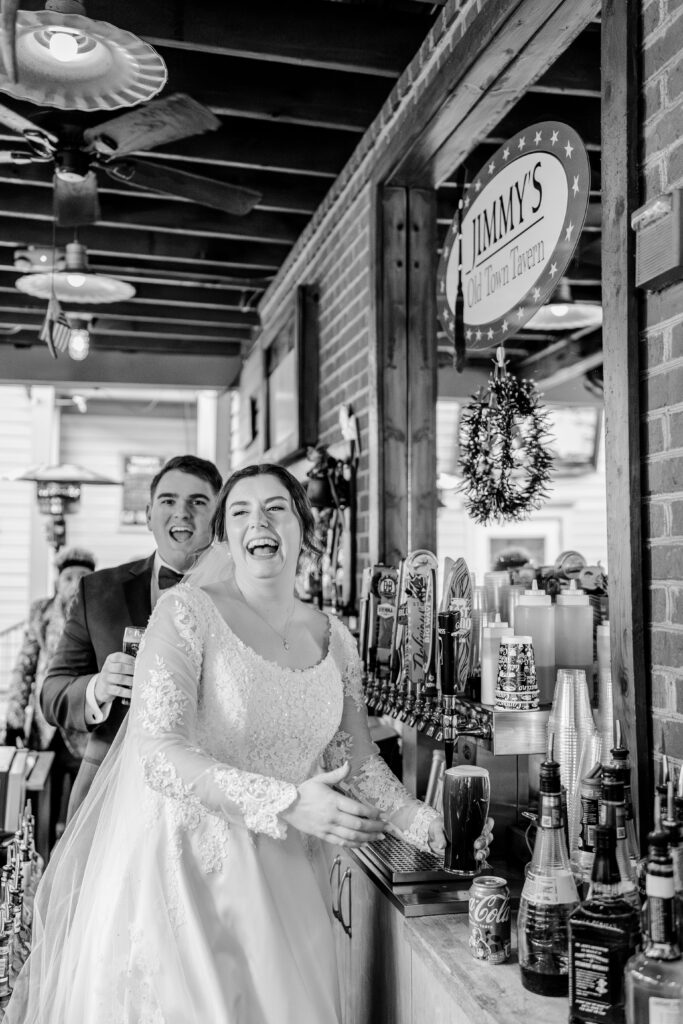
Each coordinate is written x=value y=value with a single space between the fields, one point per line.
x=289 y=399
x=138 y=473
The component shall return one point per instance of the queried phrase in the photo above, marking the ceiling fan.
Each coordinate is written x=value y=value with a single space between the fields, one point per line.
x=78 y=152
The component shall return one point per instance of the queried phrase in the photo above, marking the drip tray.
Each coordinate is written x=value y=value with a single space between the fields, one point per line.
x=415 y=882
x=403 y=864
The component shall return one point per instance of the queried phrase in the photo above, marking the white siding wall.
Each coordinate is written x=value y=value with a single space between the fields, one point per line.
x=100 y=442
x=16 y=501
x=574 y=516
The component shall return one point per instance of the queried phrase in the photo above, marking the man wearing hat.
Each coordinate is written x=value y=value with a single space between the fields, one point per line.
x=25 y=720
x=89 y=671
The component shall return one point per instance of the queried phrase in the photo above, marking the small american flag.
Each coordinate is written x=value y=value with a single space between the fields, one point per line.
x=56 y=328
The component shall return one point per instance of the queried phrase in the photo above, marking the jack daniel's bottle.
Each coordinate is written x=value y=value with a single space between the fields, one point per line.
x=654 y=977
x=603 y=933
x=548 y=897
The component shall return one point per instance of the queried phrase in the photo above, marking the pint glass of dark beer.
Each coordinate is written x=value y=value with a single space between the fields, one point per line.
x=466 y=792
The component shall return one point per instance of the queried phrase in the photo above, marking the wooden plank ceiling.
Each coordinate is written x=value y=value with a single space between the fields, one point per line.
x=294 y=85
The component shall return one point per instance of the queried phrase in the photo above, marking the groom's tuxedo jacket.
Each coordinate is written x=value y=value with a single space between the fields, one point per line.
x=107 y=602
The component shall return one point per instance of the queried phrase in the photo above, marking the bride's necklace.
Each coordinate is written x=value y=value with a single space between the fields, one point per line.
x=282 y=636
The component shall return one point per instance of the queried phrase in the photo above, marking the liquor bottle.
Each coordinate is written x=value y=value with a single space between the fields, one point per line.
x=604 y=932
x=584 y=855
x=549 y=895
x=621 y=763
x=5 y=952
x=674 y=829
x=612 y=812
x=654 y=976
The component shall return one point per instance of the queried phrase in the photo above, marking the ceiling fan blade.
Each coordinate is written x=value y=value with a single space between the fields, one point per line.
x=75 y=200
x=154 y=124
x=40 y=140
x=206 y=191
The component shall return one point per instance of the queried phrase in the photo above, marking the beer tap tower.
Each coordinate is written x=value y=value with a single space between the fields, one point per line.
x=408 y=647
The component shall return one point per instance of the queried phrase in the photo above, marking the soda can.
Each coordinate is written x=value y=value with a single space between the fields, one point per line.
x=489 y=911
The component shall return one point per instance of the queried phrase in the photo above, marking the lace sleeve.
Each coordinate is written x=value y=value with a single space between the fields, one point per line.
x=370 y=778
x=163 y=728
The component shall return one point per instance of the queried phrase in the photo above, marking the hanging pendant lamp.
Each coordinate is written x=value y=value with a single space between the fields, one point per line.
x=60 y=58
x=563 y=313
x=76 y=283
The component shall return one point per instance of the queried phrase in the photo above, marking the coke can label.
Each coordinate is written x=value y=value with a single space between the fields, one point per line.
x=489 y=913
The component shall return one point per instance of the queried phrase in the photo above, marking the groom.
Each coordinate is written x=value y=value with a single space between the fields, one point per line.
x=89 y=669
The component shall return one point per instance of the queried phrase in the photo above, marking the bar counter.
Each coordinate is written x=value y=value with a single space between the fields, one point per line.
x=399 y=969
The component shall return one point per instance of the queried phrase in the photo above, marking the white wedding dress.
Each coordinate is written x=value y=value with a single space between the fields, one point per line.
x=177 y=895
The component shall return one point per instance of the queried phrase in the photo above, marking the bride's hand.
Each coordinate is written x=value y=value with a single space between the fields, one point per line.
x=322 y=811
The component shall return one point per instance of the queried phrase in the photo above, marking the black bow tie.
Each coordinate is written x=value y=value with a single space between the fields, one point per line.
x=168 y=578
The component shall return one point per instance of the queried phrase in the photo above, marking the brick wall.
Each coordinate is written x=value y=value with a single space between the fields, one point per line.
x=334 y=252
x=661 y=368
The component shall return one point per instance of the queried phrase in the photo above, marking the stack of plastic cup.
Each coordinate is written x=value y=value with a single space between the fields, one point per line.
x=561 y=725
x=497 y=585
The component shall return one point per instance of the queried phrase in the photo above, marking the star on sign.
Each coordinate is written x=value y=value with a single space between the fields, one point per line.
x=506 y=153
x=569 y=232
x=522 y=143
x=477 y=186
x=536 y=294
x=569 y=149
x=575 y=185
x=467 y=202
x=489 y=334
x=468 y=334
x=537 y=138
x=504 y=326
x=477 y=336
x=553 y=138
x=492 y=167
x=520 y=312
x=553 y=269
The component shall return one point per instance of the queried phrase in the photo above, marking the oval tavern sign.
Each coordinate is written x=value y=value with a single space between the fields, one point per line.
x=521 y=222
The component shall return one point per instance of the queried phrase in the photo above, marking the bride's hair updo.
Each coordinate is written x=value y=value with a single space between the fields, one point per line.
x=310 y=545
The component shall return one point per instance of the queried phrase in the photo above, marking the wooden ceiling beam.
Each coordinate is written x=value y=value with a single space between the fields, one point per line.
x=16 y=316
x=508 y=45
x=235 y=87
x=581 y=111
x=226 y=346
x=266 y=146
x=576 y=71
x=324 y=35
x=252 y=257
x=140 y=214
x=567 y=359
x=34 y=366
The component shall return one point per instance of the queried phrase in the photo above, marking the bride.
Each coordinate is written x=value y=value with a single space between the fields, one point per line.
x=191 y=886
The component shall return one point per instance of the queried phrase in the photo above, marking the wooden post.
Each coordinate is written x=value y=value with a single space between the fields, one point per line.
x=620 y=82
x=404 y=499
x=390 y=495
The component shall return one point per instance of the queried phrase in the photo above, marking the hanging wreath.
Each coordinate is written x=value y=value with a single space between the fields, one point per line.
x=504 y=455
